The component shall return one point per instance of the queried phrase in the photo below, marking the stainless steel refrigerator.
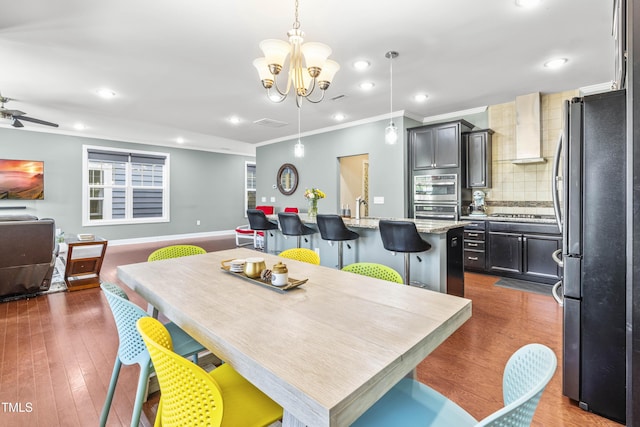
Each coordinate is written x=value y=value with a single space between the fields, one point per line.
x=591 y=190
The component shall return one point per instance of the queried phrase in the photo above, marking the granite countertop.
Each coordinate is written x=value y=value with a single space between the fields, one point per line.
x=543 y=219
x=423 y=225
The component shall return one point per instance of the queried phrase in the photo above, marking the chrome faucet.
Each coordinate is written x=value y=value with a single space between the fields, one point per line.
x=359 y=201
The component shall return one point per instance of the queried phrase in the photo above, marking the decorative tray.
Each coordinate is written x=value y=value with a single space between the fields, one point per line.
x=293 y=283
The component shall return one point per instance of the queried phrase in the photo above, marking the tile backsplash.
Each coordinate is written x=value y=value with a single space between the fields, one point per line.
x=524 y=188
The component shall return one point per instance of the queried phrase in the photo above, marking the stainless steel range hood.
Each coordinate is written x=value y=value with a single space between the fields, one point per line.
x=528 y=134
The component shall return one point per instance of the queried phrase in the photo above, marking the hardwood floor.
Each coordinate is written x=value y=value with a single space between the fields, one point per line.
x=57 y=353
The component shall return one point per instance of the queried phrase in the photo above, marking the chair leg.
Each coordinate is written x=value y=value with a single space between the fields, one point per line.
x=407 y=268
x=340 y=261
x=299 y=240
x=140 y=394
x=110 y=391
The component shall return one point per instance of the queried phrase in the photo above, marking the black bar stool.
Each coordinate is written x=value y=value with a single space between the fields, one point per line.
x=291 y=225
x=332 y=228
x=258 y=222
x=403 y=237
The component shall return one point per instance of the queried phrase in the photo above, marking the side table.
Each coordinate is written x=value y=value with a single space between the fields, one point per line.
x=84 y=260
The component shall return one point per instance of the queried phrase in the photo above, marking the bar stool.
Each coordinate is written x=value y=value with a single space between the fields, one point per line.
x=332 y=229
x=403 y=237
x=291 y=225
x=258 y=222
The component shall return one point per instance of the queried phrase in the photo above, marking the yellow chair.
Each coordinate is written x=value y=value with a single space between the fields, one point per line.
x=189 y=396
x=175 y=251
x=301 y=254
x=378 y=271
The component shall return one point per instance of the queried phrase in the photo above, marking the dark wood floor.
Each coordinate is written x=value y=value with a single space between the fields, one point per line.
x=57 y=353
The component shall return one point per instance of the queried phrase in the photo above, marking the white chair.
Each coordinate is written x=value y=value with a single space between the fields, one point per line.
x=410 y=403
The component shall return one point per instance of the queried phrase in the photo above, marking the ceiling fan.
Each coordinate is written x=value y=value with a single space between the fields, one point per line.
x=17 y=116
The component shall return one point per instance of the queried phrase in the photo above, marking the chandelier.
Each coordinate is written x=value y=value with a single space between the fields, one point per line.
x=316 y=71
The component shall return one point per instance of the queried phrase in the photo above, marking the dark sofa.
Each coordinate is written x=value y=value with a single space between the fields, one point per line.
x=28 y=252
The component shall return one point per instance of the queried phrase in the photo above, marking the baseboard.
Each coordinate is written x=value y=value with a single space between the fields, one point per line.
x=153 y=239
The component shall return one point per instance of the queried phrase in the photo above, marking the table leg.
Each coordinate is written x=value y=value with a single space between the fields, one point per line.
x=153 y=312
x=289 y=420
x=412 y=374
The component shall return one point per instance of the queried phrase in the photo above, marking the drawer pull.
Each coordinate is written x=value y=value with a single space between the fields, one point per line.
x=473 y=234
x=472 y=244
x=472 y=258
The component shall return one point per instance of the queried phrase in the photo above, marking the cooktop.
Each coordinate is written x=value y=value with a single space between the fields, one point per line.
x=510 y=215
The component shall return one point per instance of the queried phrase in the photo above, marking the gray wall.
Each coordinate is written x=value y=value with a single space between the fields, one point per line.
x=204 y=186
x=320 y=168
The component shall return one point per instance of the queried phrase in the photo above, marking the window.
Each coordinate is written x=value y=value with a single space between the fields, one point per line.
x=249 y=186
x=124 y=187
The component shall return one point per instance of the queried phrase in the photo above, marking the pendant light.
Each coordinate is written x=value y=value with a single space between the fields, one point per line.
x=391 y=131
x=298 y=149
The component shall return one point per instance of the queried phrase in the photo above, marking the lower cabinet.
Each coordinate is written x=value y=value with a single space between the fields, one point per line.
x=523 y=251
x=474 y=246
x=513 y=249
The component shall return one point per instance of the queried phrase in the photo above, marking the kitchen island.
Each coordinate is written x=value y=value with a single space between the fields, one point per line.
x=439 y=269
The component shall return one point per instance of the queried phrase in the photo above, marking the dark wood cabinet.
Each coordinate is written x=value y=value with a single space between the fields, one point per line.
x=537 y=250
x=478 y=152
x=506 y=253
x=523 y=250
x=474 y=246
x=437 y=146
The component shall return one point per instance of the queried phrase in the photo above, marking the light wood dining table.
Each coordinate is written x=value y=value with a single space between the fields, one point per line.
x=325 y=351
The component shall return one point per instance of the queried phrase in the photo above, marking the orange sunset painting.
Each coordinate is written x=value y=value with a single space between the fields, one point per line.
x=21 y=179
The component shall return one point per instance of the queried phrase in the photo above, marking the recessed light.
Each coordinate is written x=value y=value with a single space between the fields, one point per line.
x=338 y=117
x=106 y=93
x=527 y=3
x=421 y=97
x=367 y=85
x=234 y=120
x=361 y=65
x=79 y=126
x=555 y=63
x=180 y=140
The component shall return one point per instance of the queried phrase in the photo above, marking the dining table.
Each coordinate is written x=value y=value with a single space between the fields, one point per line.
x=326 y=350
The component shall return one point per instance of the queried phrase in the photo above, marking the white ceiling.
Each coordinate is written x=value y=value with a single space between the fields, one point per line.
x=182 y=68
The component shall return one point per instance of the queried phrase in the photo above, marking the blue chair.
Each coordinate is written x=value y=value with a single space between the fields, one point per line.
x=410 y=403
x=132 y=349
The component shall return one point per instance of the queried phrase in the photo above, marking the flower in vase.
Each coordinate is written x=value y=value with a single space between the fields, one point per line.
x=314 y=193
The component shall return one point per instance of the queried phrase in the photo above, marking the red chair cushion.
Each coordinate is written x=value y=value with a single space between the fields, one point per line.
x=268 y=210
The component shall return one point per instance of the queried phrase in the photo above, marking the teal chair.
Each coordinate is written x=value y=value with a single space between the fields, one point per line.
x=410 y=403
x=132 y=349
x=372 y=269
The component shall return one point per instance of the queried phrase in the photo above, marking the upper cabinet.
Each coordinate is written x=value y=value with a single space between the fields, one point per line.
x=478 y=152
x=437 y=146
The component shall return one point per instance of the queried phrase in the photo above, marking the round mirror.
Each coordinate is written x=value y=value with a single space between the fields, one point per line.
x=287 y=179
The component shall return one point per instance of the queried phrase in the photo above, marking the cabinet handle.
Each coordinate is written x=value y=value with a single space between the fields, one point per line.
x=472 y=244
x=519 y=239
x=472 y=258
x=473 y=234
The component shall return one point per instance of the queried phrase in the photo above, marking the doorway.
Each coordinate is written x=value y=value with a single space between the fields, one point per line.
x=354 y=182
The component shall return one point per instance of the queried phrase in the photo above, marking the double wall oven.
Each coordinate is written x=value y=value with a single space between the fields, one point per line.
x=436 y=196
